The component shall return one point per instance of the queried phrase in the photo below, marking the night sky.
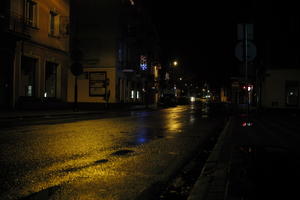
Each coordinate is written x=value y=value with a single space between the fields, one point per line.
x=202 y=34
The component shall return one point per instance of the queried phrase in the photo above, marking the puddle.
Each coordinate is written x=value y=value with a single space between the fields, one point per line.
x=43 y=194
x=122 y=152
x=143 y=135
x=86 y=166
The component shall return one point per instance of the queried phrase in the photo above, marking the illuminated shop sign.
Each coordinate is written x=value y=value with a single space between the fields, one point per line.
x=143 y=63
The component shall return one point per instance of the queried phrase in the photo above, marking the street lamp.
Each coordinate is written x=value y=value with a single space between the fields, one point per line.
x=175 y=63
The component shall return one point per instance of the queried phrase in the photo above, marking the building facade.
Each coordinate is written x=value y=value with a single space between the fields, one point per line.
x=280 y=88
x=118 y=46
x=36 y=52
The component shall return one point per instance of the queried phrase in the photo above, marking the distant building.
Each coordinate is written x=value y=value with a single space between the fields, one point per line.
x=278 y=63
x=274 y=70
x=119 y=48
x=280 y=88
x=34 y=52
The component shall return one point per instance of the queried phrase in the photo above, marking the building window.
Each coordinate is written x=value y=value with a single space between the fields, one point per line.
x=50 y=79
x=97 y=84
x=54 y=24
x=292 y=93
x=31 y=13
x=131 y=2
x=28 y=66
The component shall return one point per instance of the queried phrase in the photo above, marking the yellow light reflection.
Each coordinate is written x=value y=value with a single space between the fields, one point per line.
x=173 y=120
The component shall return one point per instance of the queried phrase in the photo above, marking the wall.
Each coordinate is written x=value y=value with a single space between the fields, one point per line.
x=274 y=87
x=44 y=47
x=83 y=86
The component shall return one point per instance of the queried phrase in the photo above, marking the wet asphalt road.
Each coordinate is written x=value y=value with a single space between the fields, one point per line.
x=113 y=157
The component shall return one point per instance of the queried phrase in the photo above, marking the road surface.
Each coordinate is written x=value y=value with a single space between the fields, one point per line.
x=110 y=158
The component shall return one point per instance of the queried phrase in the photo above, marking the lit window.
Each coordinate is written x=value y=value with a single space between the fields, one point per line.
x=292 y=93
x=29 y=91
x=54 y=24
x=132 y=94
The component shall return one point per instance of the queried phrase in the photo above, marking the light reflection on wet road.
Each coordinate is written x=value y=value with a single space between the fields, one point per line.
x=108 y=158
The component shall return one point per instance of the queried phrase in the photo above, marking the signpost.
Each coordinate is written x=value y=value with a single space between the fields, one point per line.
x=239 y=51
x=245 y=51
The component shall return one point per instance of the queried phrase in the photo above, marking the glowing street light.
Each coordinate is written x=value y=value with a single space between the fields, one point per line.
x=175 y=63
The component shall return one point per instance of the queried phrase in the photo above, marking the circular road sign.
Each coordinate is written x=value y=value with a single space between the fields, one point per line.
x=251 y=51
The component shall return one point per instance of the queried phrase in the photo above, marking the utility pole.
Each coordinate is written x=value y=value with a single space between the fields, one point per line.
x=76 y=54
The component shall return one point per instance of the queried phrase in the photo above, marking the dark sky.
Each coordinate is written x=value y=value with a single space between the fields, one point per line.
x=202 y=34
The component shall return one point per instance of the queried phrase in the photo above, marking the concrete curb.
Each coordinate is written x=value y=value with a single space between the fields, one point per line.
x=45 y=114
x=151 y=191
x=212 y=181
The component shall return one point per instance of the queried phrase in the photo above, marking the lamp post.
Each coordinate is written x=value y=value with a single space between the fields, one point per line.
x=76 y=53
x=174 y=64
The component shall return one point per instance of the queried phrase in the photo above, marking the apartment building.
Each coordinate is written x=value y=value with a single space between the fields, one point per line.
x=119 y=48
x=35 y=58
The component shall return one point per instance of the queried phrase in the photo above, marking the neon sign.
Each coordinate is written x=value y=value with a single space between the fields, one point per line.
x=143 y=63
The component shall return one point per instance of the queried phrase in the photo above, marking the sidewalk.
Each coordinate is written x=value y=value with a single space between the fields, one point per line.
x=212 y=182
x=19 y=114
x=258 y=160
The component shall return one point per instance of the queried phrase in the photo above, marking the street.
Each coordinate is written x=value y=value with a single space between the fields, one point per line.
x=112 y=157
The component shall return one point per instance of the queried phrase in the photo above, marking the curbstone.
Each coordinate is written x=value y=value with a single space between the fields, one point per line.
x=212 y=182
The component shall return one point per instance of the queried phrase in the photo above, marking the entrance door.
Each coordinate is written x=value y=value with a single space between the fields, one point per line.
x=28 y=68
x=6 y=70
x=51 y=80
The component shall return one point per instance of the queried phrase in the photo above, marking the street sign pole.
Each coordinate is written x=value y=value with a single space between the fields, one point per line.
x=245 y=51
x=246 y=67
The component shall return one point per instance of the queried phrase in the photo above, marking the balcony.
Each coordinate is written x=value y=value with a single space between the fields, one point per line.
x=15 y=25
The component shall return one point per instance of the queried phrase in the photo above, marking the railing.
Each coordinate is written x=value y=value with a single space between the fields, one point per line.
x=16 y=23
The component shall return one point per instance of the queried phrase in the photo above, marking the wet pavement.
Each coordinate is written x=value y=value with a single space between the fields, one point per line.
x=256 y=157
x=110 y=157
x=265 y=157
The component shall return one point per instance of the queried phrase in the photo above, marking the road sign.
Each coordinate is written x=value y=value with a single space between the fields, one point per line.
x=240 y=51
x=76 y=68
x=241 y=28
